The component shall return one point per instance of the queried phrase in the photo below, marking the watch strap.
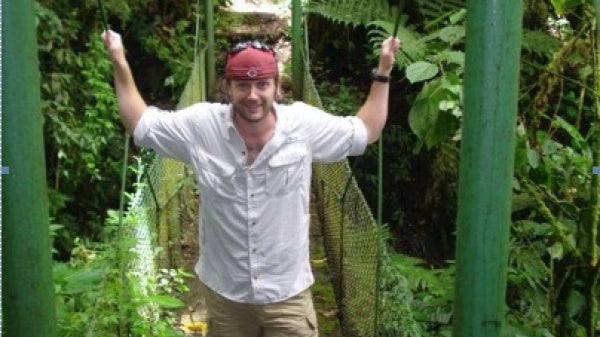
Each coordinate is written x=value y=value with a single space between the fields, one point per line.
x=378 y=77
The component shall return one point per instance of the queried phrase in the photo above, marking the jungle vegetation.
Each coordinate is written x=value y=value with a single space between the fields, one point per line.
x=553 y=281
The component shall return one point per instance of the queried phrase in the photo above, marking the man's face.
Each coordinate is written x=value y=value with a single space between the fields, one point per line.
x=253 y=99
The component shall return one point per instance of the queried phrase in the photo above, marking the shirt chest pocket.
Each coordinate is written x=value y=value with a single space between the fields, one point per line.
x=215 y=177
x=288 y=169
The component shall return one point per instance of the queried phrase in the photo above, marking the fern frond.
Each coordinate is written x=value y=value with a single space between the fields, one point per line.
x=435 y=9
x=350 y=12
x=413 y=47
x=540 y=43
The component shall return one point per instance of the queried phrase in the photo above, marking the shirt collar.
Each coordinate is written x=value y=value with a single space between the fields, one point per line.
x=228 y=128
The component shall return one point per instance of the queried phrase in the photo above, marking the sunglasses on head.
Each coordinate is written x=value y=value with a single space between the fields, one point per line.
x=249 y=44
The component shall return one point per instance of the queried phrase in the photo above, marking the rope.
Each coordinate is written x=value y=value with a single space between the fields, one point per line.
x=380 y=208
x=123 y=326
x=152 y=191
x=397 y=22
x=378 y=233
x=103 y=13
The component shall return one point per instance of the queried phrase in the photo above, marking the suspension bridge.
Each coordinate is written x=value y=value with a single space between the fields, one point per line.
x=351 y=233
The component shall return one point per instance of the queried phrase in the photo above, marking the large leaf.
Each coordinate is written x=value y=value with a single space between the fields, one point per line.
x=166 y=301
x=426 y=117
x=452 y=34
x=564 y=6
x=421 y=118
x=454 y=57
x=83 y=280
x=578 y=142
x=421 y=71
x=556 y=251
x=444 y=127
x=423 y=113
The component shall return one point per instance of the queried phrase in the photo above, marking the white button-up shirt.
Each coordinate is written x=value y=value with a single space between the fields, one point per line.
x=254 y=220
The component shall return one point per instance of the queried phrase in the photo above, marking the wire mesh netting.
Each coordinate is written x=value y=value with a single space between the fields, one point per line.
x=161 y=203
x=350 y=238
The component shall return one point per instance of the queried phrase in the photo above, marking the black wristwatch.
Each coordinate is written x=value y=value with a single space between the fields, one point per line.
x=378 y=77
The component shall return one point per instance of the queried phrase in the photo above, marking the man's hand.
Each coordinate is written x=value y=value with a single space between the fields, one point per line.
x=387 y=58
x=114 y=46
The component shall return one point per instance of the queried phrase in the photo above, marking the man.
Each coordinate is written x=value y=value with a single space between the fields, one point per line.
x=252 y=159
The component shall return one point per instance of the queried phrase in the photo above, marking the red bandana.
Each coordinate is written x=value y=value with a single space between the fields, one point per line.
x=251 y=64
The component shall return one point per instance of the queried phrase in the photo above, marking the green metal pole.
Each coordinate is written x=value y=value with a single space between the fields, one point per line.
x=28 y=305
x=297 y=60
x=209 y=17
x=486 y=165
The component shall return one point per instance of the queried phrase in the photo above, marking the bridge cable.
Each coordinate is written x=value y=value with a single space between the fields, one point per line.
x=380 y=208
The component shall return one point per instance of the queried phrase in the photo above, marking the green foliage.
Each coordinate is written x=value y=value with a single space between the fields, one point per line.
x=561 y=7
x=341 y=98
x=528 y=276
x=100 y=124
x=436 y=111
x=437 y=60
x=415 y=300
x=421 y=71
x=549 y=241
x=435 y=11
x=413 y=47
x=81 y=128
x=96 y=296
x=539 y=43
x=83 y=134
x=174 y=44
x=550 y=277
x=344 y=99
x=173 y=281
x=344 y=11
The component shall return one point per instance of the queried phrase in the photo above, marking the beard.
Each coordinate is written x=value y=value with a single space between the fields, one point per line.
x=251 y=112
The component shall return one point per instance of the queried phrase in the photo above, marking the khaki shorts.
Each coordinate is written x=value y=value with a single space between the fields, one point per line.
x=294 y=317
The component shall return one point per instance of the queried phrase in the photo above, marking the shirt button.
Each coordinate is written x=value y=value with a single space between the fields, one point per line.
x=254 y=250
x=256 y=277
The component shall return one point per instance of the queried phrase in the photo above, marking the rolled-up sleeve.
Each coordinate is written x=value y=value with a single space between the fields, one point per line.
x=167 y=133
x=332 y=138
x=141 y=129
x=359 y=137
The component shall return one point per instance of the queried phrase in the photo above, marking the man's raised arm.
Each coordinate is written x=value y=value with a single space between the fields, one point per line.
x=131 y=104
x=375 y=109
